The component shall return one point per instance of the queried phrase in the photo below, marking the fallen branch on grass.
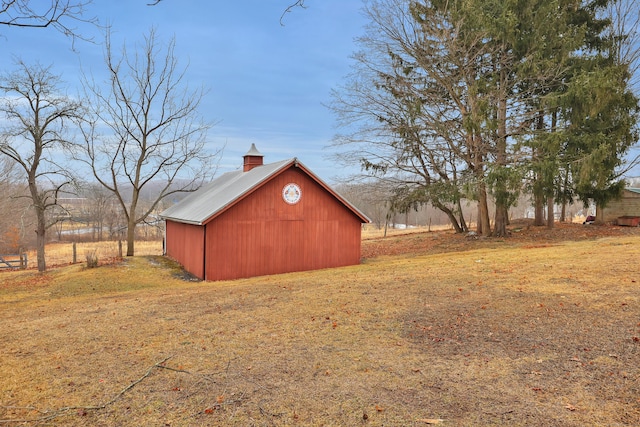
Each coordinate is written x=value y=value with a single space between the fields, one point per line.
x=63 y=411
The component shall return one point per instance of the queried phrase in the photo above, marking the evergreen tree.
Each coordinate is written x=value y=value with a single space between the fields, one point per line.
x=484 y=94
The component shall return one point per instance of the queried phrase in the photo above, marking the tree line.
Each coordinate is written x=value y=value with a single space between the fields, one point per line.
x=485 y=100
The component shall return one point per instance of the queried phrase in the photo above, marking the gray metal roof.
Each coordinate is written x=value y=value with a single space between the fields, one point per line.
x=633 y=190
x=211 y=198
x=222 y=192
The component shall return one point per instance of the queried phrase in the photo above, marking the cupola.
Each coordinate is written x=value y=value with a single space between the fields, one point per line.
x=252 y=159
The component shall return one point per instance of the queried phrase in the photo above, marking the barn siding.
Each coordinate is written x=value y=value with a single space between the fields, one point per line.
x=185 y=244
x=628 y=205
x=262 y=234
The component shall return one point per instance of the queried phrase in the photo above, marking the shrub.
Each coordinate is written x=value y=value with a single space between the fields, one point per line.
x=92 y=258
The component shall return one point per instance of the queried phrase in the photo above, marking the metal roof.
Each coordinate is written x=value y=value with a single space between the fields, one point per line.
x=212 y=198
x=633 y=190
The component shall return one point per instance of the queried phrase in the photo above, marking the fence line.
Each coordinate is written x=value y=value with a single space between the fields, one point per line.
x=57 y=254
x=14 y=261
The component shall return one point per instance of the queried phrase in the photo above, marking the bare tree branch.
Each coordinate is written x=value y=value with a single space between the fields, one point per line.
x=298 y=3
x=63 y=411
x=62 y=15
x=625 y=32
x=145 y=128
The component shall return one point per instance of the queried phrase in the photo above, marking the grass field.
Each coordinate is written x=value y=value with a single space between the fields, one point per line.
x=431 y=329
x=57 y=254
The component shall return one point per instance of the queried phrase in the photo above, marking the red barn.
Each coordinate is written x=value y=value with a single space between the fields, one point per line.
x=266 y=219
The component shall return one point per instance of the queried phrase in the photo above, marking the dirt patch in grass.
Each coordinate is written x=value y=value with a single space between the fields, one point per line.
x=475 y=332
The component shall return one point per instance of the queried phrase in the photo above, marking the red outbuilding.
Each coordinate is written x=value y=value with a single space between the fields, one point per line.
x=265 y=219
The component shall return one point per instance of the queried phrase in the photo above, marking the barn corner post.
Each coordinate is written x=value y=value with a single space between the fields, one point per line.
x=204 y=253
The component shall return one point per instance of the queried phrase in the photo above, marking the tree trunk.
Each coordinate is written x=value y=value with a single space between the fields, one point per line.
x=539 y=210
x=500 y=226
x=501 y=191
x=41 y=226
x=131 y=236
x=386 y=223
x=454 y=221
x=40 y=239
x=131 y=216
x=564 y=192
x=484 y=224
x=452 y=218
x=463 y=223
x=550 y=213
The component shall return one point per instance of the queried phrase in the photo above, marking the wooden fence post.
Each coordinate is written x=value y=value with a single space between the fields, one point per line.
x=120 y=248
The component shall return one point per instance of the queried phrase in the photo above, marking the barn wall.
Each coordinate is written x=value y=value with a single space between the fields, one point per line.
x=628 y=205
x=185 y=244
x=264 y=235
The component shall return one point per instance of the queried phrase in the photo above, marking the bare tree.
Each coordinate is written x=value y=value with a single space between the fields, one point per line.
x=12 y=227
x=372 y=197
x=408 y=105
x=61 y=15
x=97 y=208
x=145 y=128
x=38 y=117
x=625 y=33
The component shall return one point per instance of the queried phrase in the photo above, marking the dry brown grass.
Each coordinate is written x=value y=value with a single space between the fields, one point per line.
x=369 y=231
x=57 y=254
x=492 y=333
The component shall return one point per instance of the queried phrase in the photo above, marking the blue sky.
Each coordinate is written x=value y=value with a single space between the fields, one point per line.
x=267 y=83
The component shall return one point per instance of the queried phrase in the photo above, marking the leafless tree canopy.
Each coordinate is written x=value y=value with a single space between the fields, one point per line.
x=625 y=30
x=62 y=15
x=38 y=119
x=145 y=128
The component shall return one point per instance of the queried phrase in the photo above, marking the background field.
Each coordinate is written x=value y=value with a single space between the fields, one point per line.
x=536 y=329
x=58 y=254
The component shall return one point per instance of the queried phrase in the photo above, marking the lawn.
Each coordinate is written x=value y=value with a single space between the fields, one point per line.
x=432 y=328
